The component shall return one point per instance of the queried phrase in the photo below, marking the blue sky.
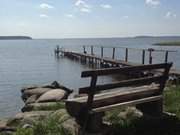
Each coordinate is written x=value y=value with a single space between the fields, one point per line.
x=89 y=18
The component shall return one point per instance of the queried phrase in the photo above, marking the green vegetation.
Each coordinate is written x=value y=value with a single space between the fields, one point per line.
x=125 y=121
x=172 y=100
x=49 y=126
x=133 y=125
x=175 y=43
x=53 y=106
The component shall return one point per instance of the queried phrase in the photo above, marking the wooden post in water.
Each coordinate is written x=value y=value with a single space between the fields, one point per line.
x=84 y=49
x=150 y=55
x=92 y=53
x=166 y=57
x=101 y=52
x=126 y=55
x=143 y=56
x=113 y=55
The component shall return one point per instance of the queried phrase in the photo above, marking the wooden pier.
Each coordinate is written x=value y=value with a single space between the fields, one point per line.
x=105 y=62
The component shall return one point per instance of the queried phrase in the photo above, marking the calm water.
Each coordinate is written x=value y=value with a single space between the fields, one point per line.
x=28 y=62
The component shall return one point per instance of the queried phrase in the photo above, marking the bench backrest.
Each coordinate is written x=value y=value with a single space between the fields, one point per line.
x=144 y=80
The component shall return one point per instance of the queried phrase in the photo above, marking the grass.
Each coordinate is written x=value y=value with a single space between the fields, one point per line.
x=166 y=125
x=49 y=126
x=175 y=43
x=129 y=124
x=55 y=106
x=172 y=100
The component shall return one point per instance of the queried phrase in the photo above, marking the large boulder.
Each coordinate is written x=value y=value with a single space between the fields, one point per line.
x=31 y=99
x=28 y=88
x=27 y=118
x=37 y=91
x=54 y=95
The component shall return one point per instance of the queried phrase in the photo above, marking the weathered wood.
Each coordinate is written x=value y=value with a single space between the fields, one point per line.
x=166 y=57
x=149 y=97
x=111 y=98
x=102 y=52
x=150 y=55
x=92 y=53
x=90 y=101
x=143 y=56
x=84 y=49
x=133 y=102
x=126 y=55
x=124 y=83
x=113 y=55
x=108 y=71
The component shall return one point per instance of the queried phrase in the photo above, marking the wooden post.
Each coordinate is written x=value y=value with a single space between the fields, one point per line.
x=84 y=49
x=166 y=57
x=113 y=56
x=143 y=57
x=150 y=55
x=101 y=52
x=126 y=55
x=92 y=53
x=90 y=100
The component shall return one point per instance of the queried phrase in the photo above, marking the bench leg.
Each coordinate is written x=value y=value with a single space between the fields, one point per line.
x=94 y=122
x=154 y=108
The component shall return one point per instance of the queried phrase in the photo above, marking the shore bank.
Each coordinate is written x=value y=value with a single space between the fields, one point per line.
x=175 y=43
x=44 y=113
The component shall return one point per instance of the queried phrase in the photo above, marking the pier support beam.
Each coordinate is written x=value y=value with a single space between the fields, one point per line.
x=143 y=56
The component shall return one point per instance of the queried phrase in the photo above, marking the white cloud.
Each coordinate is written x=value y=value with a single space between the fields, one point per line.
x=86 y=10
x=153 y=2
x=46 y=6
x=69 y=16
x=43 y=16
x=83 y=6
x=170 y=14
x=106 y=6
x=81 y=3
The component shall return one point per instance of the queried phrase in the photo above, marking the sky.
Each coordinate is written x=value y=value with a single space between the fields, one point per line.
x=89 y=18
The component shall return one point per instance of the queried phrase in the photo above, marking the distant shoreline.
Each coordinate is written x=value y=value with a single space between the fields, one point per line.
x=175 y=43
x=15 y=38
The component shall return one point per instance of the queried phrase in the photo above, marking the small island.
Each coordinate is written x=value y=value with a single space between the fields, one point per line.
x=174 y=43
x=15 y=38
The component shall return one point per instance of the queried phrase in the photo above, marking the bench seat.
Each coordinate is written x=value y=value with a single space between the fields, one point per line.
x=113 y=98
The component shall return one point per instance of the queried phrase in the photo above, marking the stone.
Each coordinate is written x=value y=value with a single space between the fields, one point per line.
x=31 y=99
x=27 y=118
x=28 y=88
x=53 y=95
x=37 y=91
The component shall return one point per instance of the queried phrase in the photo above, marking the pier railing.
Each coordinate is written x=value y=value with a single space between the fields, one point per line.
x=148 y=51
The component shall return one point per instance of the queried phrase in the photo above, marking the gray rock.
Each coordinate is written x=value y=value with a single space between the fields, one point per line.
x=27 y=118
x=36 y=91
x=28 y=88
x=53 y=96
x=31 y=99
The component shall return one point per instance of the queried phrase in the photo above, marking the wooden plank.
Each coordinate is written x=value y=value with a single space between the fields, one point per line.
x=134 y=102
x=126 y=55
x=108 y=71
x=143 y=57
x=124 y=83
x=113 y=55
x=166 y=56
x=74 y=106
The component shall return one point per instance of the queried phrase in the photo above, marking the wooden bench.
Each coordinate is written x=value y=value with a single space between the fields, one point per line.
x=145 y=92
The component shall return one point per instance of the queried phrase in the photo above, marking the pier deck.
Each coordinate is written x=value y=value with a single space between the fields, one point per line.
x=112 y=62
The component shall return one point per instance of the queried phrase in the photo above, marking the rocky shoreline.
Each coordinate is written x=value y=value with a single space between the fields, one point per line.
x=39 y=102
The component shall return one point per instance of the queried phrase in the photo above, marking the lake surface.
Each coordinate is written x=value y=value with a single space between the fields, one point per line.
x=28 y=62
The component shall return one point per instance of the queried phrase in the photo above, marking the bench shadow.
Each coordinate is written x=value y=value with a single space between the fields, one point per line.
x=166 y=125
